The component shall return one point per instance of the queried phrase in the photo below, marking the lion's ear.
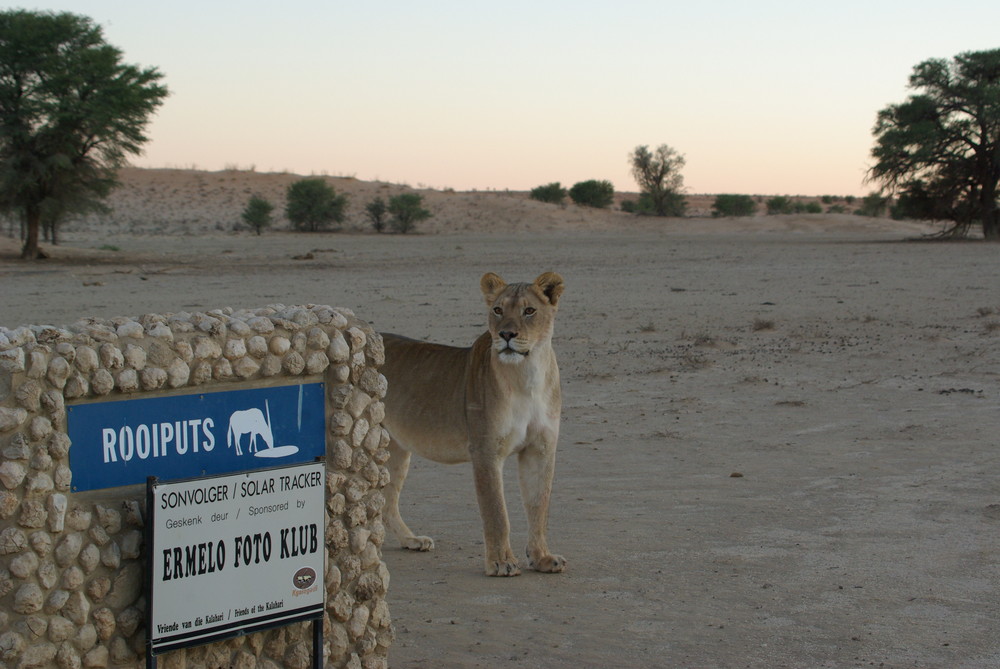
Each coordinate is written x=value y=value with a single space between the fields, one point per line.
x=551 y=286
x=491 y=284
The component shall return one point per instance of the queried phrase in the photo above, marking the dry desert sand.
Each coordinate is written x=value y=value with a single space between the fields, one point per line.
x=780 y=434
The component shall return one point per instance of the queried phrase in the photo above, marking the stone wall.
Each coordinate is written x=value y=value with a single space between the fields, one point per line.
x=72 y=564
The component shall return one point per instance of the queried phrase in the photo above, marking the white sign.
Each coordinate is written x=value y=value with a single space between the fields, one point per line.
x=233 y=554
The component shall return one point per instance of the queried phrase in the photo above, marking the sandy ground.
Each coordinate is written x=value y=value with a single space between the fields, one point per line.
x=779 y=447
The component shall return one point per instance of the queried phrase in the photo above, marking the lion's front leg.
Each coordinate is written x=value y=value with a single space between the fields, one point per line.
x=500 y=560
x=536 y=467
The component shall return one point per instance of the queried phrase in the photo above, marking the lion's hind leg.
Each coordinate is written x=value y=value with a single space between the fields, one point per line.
x=399 y=465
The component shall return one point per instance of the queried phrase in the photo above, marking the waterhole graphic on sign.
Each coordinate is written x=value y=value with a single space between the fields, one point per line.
x=183 y=436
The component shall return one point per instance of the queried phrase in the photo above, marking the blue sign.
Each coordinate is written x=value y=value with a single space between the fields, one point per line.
x=187 y=436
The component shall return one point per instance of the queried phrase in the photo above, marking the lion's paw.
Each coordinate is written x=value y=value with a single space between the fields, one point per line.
x=502 y=568
x=548 y=564
x=421 y=544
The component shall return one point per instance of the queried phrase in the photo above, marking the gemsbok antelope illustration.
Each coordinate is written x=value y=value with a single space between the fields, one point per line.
x=253 y=423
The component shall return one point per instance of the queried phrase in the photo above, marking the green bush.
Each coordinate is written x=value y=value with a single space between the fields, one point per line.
x=593 y=193
x=873 y=205
x=407 y=210
x=643 y=206
x=779 y=204
x=257 y=213
x=313 y=204
x=733 y=205
x=807 y=208
x=552 y=193
x=672 y=204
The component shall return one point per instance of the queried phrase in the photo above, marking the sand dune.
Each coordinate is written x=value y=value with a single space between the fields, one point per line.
x=192 y=202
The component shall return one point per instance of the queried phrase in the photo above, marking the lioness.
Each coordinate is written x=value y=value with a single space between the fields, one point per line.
x=483 y=404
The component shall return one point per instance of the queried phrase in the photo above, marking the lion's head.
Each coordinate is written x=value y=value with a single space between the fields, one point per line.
x=521 y=315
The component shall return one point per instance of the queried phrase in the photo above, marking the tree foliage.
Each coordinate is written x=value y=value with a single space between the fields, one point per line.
x=313 y=204
x=939 y=151
x=552 y=193
x=593 y=193
x=377 y=212
x=257 y=213
x=56 y=210
x=733 y=205
x=70 y=115
x=917 y=201
x=407 y=210
x=658 y=174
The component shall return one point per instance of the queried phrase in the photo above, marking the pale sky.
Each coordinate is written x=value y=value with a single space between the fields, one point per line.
x=766 y=97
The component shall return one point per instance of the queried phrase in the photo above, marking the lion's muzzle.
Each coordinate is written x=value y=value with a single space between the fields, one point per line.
x=508 y=352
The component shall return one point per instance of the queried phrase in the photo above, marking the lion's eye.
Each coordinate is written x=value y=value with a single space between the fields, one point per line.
x=529 y=311
x=498 y=311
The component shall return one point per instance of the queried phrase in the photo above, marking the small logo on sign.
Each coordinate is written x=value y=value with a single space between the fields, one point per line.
x=304 y=578
x=253 y=424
